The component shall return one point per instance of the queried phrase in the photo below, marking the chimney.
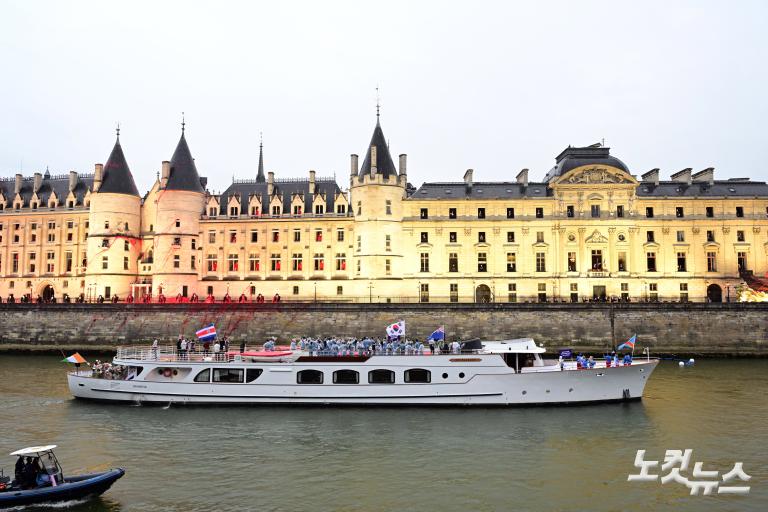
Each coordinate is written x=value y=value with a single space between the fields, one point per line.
x=98 y=173
x=706 y=175
x=312 y=188
x=683 y=176
x=37 y=182
x=72 y=180
x=353 y=168
x=403 y=167
x=652 y=175
x=270 y=183
x=522 y=177
x=373 y=161
x=17 y=185
x=165 y=174
x=468 y=180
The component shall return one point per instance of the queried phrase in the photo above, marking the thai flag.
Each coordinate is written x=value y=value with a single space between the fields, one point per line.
x=207 y=333
x=438 y=335
x=630 y=343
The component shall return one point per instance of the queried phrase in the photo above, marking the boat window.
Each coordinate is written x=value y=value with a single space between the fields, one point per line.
x=381 y=377
x=251 y=374
x=418 y=375
x=309 y=377
x=203 y=376
x=346 y=377
x=228 y=375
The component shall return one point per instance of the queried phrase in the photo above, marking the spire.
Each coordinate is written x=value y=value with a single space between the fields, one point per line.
x=260 y=175
x=378 y=105
x=382 y=159
x=183 y=171
x=117 y=175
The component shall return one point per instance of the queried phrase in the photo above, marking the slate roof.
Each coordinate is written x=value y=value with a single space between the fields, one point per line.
x=384 y=163
x=184 y=174
x=117 y=178
x=480 y=190
x=720 y=188
x=571 y=158
x=59 y=184
x=285 y=189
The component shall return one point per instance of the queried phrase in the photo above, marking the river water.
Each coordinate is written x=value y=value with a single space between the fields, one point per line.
x=376 y=459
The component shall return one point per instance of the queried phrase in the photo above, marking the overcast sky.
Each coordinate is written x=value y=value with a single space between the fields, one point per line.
x=494 y=86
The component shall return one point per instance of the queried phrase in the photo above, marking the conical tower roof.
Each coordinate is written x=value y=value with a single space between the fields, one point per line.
x=384 y=163
x=183 y=171
x=260 y=175
x=117 y=178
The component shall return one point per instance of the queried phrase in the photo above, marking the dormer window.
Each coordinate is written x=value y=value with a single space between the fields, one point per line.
x=233 y=211
x=212 y=212
x=319 y=209
x=340 y=208
x=276 y=210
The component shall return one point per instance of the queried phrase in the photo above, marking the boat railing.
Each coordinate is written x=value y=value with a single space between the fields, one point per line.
x=169 y=353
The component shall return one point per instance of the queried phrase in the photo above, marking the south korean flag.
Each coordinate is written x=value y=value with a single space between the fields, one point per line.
x=396 y=330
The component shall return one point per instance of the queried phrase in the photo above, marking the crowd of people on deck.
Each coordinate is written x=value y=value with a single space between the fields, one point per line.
x=332 y=346
x=611 y=359
x=187 y=347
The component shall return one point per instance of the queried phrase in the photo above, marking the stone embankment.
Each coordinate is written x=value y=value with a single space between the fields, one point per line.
x=732 y=329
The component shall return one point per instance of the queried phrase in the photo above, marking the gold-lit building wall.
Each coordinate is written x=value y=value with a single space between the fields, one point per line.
x=589 y=231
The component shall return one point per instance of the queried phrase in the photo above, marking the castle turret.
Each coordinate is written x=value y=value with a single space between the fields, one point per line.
x=377 y=194
x=180 y=202
x=114 y=242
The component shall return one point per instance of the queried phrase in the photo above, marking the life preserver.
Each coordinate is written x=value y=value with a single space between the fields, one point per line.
x=167 y=372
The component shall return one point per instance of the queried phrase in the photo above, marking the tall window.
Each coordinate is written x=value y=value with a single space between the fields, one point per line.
x=539 y=237
x=681 y=265
x=340 y=235
x=253 y=263
x=679 y=212
x=388 y=266
x=572 y=262
x=452 y=237
x=451 y=213
x=597 y=259
x=569 y=211
x=424 y=213
x=739 y=211
x=254 y=236
x=595 y=210
x=482 y=262
x=681 y=236
x=649 y=236
x=649 y=212
x=454 y=292
x=453 y=262
x=481 y=237
x=297 y=235
x=512 y=292
x=388 y=207
x=318 y=235
x=424 y=237
x=741 y=258
x=710 y=236
x=232 y=263
x=341 y=261
x=711 y=262
x=740 y=235
x=319 y=262
x=296 y=262
x=620 y=211
x=387 y=243
x=424 y=262
x=539 y=213
x=176 y=262
x=650 y=261
x=511 y=262
x=424 y=292
x=683 y=292
x=510 y=213
x=211 y=263
x=49 y=265
x=481 y=213
x=274 y=262
x=211 y=237
x=510 y=237
x=275 y=235
x=541 y=262
x=622 y=263
x=104 y=262
x=710 y=211
x=68 y=262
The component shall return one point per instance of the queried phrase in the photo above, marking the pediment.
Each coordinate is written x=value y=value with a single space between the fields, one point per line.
x=596 y=238
x=596 y=175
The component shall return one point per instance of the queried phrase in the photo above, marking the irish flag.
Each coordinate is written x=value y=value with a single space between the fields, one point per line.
x=74 y=359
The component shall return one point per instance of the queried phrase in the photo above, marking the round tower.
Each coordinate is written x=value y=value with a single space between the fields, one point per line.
x=114 y=221
x=180 y=202
x=377 y=192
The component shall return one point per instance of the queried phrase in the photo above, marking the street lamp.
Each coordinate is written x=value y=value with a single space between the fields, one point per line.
x=315 y=291
x=370 y=291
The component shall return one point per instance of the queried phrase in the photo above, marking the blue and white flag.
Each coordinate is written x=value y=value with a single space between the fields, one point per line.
x=207 y=333
x=438 y=334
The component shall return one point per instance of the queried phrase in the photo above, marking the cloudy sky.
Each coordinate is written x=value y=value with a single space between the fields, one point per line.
x=495 y=86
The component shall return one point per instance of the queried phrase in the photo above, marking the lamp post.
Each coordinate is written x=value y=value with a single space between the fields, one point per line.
x=315 y=283
x=250 y=291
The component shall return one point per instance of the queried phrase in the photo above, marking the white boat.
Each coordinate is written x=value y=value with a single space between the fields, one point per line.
x=510 y=372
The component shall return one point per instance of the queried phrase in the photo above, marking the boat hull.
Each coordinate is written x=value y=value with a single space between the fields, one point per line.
x=75 y=488
x=479 y=384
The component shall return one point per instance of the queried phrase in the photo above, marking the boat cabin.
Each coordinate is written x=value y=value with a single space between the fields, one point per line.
x=36 y=467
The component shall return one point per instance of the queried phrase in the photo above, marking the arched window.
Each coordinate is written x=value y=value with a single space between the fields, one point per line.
x=346 y=377
x=309 y=377
x=381 y=377
x=418 y=375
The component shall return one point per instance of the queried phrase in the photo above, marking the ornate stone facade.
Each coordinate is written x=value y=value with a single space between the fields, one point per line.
x=589 y=229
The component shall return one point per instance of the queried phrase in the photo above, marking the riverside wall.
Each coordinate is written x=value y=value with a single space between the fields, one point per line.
x=732 y=329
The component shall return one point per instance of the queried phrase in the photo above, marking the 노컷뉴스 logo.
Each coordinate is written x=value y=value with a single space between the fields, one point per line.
x=677 y=461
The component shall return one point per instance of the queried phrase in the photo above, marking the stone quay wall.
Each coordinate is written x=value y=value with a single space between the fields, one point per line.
x=730 y=329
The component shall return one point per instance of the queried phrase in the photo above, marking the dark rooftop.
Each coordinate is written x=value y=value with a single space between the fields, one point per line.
x=384 y=163
x=184 y=174
x=117 y=178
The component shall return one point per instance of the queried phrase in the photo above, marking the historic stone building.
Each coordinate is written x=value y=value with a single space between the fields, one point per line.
x=589 y=229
